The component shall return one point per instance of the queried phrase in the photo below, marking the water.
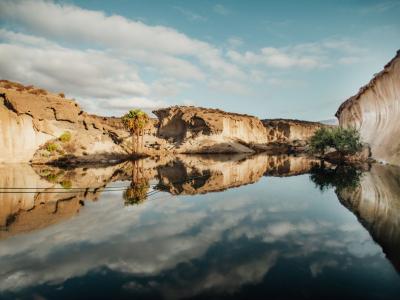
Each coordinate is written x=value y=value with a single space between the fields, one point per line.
x=210 y=228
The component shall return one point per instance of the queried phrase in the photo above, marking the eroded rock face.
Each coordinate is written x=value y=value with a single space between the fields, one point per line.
x=287 y=130
x=202 y=130
x=33 y=121
x=376 y=203
x=375 y=111
x=32 y=117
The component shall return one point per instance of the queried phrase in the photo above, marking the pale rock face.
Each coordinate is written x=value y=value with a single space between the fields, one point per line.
x=195 y=130
x=375 y=111
x=18 y=138
x=30 y=119
x=287 y=130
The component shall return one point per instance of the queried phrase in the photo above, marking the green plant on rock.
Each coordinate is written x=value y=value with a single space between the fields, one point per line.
x=51 y=147
x=135 y=121
x=65 y=137
x=343 y=140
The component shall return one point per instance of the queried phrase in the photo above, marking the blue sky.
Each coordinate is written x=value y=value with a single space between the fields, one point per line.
x=290 y=59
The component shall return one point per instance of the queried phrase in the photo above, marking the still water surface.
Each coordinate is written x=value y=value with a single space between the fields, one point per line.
x=200 y=227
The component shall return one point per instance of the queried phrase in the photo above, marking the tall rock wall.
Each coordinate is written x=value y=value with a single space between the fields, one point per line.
x=375 y=111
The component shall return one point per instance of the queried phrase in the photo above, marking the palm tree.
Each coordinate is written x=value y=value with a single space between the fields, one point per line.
x=135 y=121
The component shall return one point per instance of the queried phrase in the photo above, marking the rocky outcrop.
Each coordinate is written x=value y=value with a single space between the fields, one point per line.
x=375 y=111
x=42 y=127
x=289 y=130
x=202 y=130
x=34 y=119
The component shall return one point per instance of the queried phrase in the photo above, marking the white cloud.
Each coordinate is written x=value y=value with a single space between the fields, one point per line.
x=307 y=56
x=274 y=57
x=83 y=73
x=94 y=28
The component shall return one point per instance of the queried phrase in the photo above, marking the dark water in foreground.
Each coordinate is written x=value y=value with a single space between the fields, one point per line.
x=210 y=228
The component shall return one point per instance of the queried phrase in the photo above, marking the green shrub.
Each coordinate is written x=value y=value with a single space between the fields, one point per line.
x=343 y=140
x=51 y=147
x=65 y=137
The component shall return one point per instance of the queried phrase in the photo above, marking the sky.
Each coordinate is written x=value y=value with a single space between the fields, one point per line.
x=271 y=59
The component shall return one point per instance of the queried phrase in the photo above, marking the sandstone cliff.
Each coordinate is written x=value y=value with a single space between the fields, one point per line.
x=41 y=127
x=375 y=111
x=288 y=130
x=33 y=118
x=201 y=130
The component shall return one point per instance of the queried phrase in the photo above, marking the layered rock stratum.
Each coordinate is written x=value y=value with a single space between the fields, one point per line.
x=375 y=111
x=38 y=127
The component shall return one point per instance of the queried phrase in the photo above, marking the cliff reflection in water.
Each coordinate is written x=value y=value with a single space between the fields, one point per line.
x=39 y=196
x=276 y=236
x=376 y=203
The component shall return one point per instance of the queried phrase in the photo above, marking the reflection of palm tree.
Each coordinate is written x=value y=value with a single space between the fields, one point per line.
x=135 y=121
x=136 y=193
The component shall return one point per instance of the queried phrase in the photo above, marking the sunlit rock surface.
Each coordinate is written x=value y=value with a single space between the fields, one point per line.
x=375 y=111
x=33 y=119
x=287 y=130
x=376 y=203
x=30 y=117
x=202 y=130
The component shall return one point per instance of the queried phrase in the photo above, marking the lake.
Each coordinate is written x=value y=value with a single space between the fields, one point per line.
x=200 y=227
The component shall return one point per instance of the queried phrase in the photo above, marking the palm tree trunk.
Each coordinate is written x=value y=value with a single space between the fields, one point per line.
x=134 y=142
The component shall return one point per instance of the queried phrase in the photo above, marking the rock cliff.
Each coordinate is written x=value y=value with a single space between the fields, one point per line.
x=288 y=130
x=33 y=119
x=41 y=127
x=202 y=130
x=375 y=111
